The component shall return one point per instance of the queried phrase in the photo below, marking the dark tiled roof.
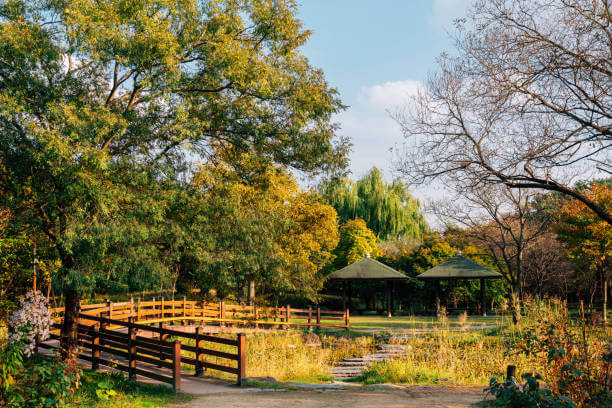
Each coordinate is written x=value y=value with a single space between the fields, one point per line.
x=367 y=268
x=459 y=267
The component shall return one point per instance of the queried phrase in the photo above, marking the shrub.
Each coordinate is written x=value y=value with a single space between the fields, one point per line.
x=29 y=380
x=31 y=321
x=512 y=395
x=575 y=364
x=42 y=382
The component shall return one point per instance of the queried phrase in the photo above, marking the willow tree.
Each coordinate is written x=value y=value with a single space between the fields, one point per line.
x=388 y=209
x=104 y=104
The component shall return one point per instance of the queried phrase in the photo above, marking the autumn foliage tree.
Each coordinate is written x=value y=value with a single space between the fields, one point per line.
x=588 y=238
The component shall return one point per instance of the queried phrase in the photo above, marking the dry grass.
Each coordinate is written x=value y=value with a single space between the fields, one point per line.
x=284 y=355
x=474 y=357
x=469 y=358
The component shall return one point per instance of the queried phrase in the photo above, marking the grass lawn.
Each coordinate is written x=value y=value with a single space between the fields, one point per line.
x=421 y=322
x=128 y=393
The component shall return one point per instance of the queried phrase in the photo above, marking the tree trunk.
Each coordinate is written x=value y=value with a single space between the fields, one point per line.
x=483 y=298
x=251 y=292
x=515 y=302
x=604 y=309
x=69 y=333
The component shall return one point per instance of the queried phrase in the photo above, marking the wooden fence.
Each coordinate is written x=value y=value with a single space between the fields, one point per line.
x=188 y=311
x=103 y=337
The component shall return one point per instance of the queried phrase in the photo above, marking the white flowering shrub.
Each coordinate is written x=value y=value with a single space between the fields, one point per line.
x=31 y=319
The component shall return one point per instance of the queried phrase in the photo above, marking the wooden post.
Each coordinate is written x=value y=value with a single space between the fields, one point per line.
x=109 y=305
x=131 y=349
x=176 y=366
x=138 y=309
x=161 y=314
x=173 y=313
x=511 y=374
x=103 y=326
x=131 y=306
x=95 y=351
x=343 y=295
x=184 y=309
x=310 y=318
x=389 y=305
x=221 y=313
x=255 y=315
x=437 y=286
x=241 y=360
x=162 y=337
x=483 y=299
x=287 y=315
x=199 y=368
x=318 y=316
x=347 y=319
x=154 y=315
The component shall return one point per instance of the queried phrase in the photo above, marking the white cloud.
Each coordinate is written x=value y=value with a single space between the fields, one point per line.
x=390 y=94
x=446 y=11
x=372 y=130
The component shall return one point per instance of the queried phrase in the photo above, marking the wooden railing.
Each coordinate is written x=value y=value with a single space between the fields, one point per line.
x=100 y=334
x=188 y=311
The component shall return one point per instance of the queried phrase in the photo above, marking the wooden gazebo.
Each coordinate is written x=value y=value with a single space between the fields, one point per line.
x=368 y=269
x=460 y=267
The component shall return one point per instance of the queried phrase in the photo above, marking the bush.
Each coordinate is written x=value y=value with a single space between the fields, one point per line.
x=512 y=395
x=41 y=382
x=576 y=366
x=26 y=379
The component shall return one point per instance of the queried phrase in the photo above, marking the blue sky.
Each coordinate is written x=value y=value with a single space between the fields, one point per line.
x=376 y=53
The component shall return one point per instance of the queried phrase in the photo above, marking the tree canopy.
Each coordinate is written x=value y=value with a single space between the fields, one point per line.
x=104 y=106
x=262 y=229
x=356 y=240
x=388 y=209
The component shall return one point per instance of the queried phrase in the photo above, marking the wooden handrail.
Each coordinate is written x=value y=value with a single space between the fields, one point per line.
x=163 y=310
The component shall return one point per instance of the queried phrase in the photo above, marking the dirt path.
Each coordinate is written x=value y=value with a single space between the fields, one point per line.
x=411 y=397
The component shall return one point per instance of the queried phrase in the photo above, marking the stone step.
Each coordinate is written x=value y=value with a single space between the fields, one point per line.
x=351 y=364
x=362 y=366
x=346 y=369
x=354 y=367
x=354 y=359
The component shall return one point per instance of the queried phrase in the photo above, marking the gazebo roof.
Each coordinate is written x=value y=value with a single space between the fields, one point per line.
x=459 y=267
x=367 y=268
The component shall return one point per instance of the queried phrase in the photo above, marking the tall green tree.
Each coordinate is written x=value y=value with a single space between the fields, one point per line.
x=267 y=234
x=104 y=105
x=356 y=241
x=388 y=209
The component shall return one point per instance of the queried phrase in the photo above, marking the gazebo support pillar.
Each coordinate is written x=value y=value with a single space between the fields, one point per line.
x=389 y=299
x=344 y=295
x=437 y=285
x=483 y=298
